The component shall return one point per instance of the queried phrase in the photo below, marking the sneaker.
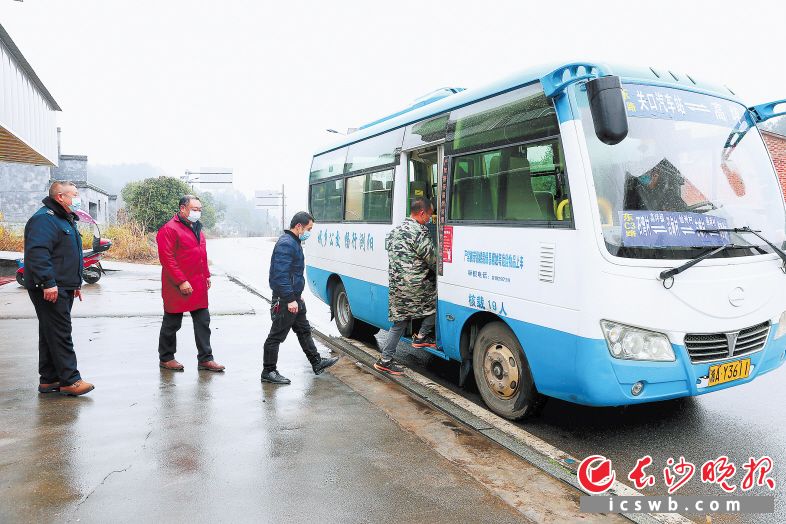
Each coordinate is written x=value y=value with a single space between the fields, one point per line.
x=323 y=364
x=274 y=377
x=390 y=367
x=425 y=342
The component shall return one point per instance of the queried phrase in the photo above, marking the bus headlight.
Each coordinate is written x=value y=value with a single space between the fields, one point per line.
x=632 y=343
x=781 y=326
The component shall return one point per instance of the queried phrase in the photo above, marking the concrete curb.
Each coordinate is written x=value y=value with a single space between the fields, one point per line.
x=534 y=450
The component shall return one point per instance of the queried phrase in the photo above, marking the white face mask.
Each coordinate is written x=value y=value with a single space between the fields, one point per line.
x=76 y=204
x=193 y=216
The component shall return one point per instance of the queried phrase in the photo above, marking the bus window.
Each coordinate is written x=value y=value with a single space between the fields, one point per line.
x=523 y=183
x=325 y=202
x=374 y=152
x=517 y=116
x=425 y=132
x=369 y=197
x=328 y=164
x=422 y=175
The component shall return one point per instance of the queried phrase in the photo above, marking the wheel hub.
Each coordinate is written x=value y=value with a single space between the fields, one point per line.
x=500 y=371
x=343 y=309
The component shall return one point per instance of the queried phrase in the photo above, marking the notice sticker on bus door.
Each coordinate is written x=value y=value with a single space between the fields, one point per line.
x=443 y=234
x=447 y=244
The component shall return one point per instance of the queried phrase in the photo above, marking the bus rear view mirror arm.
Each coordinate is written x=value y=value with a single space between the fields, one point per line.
x=763 y=112
x=608 y=109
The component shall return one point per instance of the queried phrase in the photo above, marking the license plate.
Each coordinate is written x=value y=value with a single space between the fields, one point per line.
x=729 y=371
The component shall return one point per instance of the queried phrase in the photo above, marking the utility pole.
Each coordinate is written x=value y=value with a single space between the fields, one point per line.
x=282 y=209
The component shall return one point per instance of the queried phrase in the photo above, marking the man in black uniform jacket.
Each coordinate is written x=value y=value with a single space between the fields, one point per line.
x=53 y=278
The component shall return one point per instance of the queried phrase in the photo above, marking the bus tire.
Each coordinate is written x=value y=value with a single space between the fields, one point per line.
x=347 y=324
x=502 y=373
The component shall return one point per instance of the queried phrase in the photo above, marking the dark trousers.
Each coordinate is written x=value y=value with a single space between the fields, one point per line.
x=167 y=339
x=283 y=321
x=394 y=335
x=56 y=355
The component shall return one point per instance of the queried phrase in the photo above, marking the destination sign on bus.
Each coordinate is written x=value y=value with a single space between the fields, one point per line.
x=671 y=229
x=645 y=101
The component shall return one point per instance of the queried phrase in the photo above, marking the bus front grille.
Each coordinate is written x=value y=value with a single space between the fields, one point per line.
x=706 y=347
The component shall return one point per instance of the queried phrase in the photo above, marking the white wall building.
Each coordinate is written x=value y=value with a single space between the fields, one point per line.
x=28 y=134
x=27 y=110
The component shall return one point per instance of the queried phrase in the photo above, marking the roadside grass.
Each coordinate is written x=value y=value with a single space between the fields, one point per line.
x=10 y=240
x=129 y=242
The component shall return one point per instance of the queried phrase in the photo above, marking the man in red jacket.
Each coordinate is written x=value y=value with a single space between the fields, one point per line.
x=185 y=280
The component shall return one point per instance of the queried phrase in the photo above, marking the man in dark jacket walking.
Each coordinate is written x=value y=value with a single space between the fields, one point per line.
x=289 y=311
x=53 y=278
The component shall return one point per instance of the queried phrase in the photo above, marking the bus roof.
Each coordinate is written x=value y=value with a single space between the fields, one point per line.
x=420 y=112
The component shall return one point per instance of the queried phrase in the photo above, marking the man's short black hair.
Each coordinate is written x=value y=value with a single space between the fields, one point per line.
x=420 y=204
x=301 y=218
x=186 y=199
x=57 y=187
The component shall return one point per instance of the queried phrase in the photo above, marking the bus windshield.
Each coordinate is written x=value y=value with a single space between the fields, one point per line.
x=690 y=163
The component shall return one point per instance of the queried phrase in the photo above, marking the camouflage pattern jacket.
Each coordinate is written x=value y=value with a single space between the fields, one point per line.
x=411 y=273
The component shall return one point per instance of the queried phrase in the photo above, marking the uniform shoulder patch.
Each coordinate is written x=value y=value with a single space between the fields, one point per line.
x=50 y=212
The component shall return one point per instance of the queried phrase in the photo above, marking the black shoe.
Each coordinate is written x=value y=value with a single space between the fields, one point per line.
x=390 y=367
x=425 y=342
x=323 y=364
x=274 y=377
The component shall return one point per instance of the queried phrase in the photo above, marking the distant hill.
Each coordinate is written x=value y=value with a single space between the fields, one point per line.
x=113 y=177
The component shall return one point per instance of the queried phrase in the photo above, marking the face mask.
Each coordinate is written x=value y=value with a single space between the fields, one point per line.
x=645 y=179
x=76 y=204
x=305 y=236
x=193 y=216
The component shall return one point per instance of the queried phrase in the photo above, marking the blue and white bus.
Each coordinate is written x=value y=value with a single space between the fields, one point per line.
x=607 y=236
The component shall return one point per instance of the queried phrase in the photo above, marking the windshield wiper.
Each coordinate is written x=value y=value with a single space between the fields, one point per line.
x=669 y=273
x=755 y=232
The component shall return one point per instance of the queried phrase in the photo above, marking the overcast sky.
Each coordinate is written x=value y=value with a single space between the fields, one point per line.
x=253 y=84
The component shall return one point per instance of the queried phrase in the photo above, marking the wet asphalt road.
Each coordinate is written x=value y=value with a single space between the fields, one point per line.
x=149 y=445
x=742 y=422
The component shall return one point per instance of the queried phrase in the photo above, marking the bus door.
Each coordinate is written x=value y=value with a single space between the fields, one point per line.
x=424 y=168
x=424 y=181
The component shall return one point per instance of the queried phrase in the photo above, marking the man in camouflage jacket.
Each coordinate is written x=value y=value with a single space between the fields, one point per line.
x=411 y=283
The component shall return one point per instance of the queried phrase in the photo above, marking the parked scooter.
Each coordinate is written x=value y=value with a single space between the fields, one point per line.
x=91 y=267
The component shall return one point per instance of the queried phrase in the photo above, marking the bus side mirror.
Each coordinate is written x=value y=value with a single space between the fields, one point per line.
x=608 y=109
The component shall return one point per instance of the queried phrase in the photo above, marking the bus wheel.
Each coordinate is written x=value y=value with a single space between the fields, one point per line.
x=347 y=324
x=502 y=373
